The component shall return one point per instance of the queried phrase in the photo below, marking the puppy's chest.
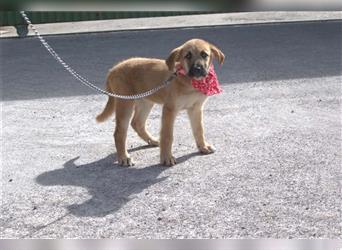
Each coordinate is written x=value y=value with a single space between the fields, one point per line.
x=189 y=100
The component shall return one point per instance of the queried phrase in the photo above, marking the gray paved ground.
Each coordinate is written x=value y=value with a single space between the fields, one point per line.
x=277 y=130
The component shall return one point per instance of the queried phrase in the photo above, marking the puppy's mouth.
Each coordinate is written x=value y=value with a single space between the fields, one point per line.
x=197 y=72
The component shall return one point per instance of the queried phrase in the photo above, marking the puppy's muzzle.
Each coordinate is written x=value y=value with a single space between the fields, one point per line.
x=197 y=70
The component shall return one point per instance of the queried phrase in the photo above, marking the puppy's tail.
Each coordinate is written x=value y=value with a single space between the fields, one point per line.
x=108 y=110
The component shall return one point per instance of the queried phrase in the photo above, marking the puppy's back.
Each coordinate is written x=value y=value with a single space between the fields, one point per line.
x=137 y=64
x=139 y=73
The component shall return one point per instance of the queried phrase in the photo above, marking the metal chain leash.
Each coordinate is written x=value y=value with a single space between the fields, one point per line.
x=84 y=80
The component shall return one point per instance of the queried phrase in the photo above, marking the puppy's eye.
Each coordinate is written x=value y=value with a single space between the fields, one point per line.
x=204 y=55
x=188 y=56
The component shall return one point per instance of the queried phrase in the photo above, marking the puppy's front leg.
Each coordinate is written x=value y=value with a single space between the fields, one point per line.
x=166 y=136
x=195 y=114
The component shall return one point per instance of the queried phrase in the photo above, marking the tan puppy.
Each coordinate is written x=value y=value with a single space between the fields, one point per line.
x=137 y=75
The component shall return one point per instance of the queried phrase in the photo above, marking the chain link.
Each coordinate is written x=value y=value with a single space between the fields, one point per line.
x=84 y=80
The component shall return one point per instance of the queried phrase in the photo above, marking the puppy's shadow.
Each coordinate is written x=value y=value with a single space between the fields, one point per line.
x=110 y=186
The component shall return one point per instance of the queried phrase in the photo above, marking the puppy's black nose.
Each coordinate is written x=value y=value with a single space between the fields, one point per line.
x=197 y=70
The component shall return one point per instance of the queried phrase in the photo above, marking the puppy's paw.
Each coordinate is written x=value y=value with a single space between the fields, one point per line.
x=126 y=162
x=167 y=160
x=206 y=149
x=153 y=142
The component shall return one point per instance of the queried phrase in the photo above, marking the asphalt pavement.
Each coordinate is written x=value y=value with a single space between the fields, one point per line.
x=276 y=127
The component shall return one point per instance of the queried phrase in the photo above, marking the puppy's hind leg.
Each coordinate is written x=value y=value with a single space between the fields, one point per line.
x=124 y=111
x=141 y=111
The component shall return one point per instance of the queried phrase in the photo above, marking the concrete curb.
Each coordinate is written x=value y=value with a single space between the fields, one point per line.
x=176 y=22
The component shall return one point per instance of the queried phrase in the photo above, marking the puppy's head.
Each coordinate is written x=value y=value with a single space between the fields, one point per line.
x=195 y=57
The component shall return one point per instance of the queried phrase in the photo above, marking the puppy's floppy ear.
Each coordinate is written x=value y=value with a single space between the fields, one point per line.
x=217 y=53
x=173 y=58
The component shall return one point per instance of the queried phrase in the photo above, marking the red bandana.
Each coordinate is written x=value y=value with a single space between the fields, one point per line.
x=208 y=85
